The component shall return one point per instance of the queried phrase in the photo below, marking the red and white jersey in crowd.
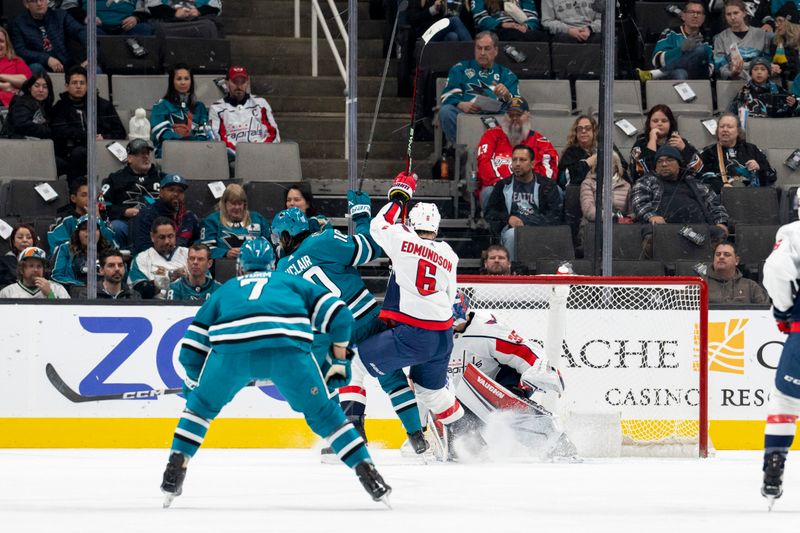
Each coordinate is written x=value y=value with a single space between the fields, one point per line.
x=422 y=286
x=487 y=344
x=494 y=156
x=249 y=122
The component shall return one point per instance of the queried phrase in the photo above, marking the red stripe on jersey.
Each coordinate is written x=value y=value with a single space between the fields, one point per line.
x=391 y=214
x=352 y=389
x=449 y=412
x=223 y=133
x=781 y=419
x=432 y=325
x=520 y=350
x=270 y=130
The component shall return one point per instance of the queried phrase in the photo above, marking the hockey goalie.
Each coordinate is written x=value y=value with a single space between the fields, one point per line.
x=497 y=377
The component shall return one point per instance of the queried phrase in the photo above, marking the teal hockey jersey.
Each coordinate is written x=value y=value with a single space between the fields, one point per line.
x=222 y=238
x=181 y=289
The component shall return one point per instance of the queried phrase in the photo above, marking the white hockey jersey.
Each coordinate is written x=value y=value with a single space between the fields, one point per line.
x=249 y=122
x=17 y=290
x=422 y=286
x=782 y=268
x=488 y=344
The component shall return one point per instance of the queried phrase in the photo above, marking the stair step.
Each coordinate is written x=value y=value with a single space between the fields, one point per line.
x=324 y=85
x=291 y=48
x=336 y=104
x=284 y=27
x=266 y=9
x=304 y=128
x=300 y=65
x=379 y=186
x=379 y=150
x=377 y=168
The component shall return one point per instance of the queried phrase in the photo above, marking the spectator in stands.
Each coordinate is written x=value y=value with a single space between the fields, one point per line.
x=179 y=116
x=495 y=148
x=13 y=70
x=786 y=43
x=734 y=162
x=153 y=269
x=687 y=200
x=197 y=283
x=128 y=190
x=69 y=215
x=620 y=189
x=579 y=158
x=522 y=199
x=69 y=122
x=739 y=44
x=684 y=54
x=183 y=10
x=726 y=285
x=22 y=236
x=170 y=205
x=519 y=23
x=479 y=77
x=301 y=197
x=113 y=286
x=571 y=21
x=241 y=117
x=69 y=259
x=40 y=37
x=30 y=111
x=661 y=129
x=762 y=97
x=118 y=17
x=31 y=278
x=496 y=261
x=225 y=231
x=421 y=14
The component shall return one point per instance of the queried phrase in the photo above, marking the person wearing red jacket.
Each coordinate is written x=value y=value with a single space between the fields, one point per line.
x=496 y=145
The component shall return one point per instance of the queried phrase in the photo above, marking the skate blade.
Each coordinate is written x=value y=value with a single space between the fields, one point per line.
x=385 y=499
x=168 y=499
x=329 y=459
x=770 y=502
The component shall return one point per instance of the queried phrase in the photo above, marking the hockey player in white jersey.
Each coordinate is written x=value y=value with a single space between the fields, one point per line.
x=417 y=308
x=781 y=277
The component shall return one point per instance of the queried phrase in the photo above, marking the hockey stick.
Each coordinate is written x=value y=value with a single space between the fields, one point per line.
x=400 y=8
x=75 y=397
x=435 y=28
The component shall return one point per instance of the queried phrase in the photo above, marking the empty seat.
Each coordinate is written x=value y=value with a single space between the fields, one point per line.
x=548 y=97
x=268 y=162
x=134 y=91
x=224 y=269
x=555 y=128
x=576 y=60
x=206 y=89
x=726 y=92
x=22 y=200
x=624 y=141
x=196 y=160
x=266 y=197
x=669 y=246
x=440 y=56
x=687 y=268
x=627 y=97
x=692 y=129
x=199 y=199
x=25 y=159
x=786 y=176
x=652 y=19
x=581 y=267
x=626 y=241
x=663 y=92
x=106 y=162
x=532 y=243
x=537 y=59
x=754 y=242
x=632 y=267
x=756 y=205
x=774 y=132
x=202 y=55
x=115 y=57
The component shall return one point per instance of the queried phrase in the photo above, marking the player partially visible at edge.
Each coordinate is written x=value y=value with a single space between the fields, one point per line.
x=259 y=326
x=781 y=273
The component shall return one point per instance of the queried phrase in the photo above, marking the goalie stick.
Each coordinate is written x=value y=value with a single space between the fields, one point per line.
x=75 y=397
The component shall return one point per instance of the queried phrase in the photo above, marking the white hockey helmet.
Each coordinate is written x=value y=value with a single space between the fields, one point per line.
x=425 y=217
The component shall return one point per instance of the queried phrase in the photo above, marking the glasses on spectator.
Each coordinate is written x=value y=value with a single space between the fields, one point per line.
x=695 y=13
x=583 y=129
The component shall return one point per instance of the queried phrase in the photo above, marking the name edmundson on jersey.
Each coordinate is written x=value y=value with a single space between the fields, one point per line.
x=426 y=253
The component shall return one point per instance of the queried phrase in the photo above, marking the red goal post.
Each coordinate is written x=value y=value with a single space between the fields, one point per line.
x=636 y=346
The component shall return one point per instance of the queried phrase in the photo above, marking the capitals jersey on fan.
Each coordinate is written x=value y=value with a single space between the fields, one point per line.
x=422 y=286
x=329 y=259
x=494 y=156
x=488 y=344
x=248 y=122
x=266 y=310
x=782 y=271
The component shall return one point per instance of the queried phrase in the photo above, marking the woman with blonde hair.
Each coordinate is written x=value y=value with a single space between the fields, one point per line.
x=580 y=156
x=785 y=44
x=621 y=194
x=226 y=229
x=13 y=70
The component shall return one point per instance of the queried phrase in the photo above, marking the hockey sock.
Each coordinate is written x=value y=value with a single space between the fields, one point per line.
x=353 y=399
x=190 y=433
x=348 y=445
x=404 y=401
x=781 y=422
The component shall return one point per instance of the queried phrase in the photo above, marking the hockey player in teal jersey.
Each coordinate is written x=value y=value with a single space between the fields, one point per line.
x=259 y=326
x=329 y=258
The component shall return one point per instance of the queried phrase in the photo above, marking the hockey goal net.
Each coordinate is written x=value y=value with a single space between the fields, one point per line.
x=635 y=346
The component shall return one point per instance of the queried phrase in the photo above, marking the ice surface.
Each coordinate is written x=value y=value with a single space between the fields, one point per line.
x=115 y=491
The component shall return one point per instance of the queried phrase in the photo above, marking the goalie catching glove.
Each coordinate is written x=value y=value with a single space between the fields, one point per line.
x=542 y=376
x=402 y=190
x=358 y=204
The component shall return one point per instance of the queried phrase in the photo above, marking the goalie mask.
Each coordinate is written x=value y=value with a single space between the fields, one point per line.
x=460 y=308
x=256 y=256
x=425 y=217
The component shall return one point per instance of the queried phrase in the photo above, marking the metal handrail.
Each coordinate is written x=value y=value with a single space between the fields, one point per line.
x=318 y=20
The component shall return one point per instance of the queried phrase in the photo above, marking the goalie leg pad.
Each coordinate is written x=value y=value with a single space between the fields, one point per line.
x=441 y=402
x=404 y=401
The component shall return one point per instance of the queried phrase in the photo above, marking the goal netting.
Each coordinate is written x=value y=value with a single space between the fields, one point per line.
x=630 y=346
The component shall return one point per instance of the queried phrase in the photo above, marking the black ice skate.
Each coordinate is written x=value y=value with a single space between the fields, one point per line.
x=174 y=475
x=418 y=442
x=465 y=440
x=772 y=489
x=373 y=482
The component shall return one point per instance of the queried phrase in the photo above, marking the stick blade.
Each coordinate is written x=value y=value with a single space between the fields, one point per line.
x=61 y=386
x=435 y=28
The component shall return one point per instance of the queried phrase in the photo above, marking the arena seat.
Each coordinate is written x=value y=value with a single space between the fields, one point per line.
x=623 y=141
x=652 y=19
x=687 y=268
x=576 y=60
x=751 y=205
x=547 y=97
x=21 y=199
x=532 y=243
x=754 y=242
x=581 y=267
x=632 y=267
x=196 y=160
x=33 y=159
x=774 y=132
x=268 y=162
x=224 y=269
x=267 y=197
x=668 y=246
x=202 y=55
x=59 y=86
x=726 y=92
x=206 y=89
x=786 y=176
x=555 y=128
x=692 y=129
x=105 y=161
x=627 y=97
x=140 y=90
x=663 y=92
x=626 y=241
x=200 y=200
x=115 y=57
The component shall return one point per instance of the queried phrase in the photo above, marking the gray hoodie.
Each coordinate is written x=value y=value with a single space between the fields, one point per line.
x=558 y=16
